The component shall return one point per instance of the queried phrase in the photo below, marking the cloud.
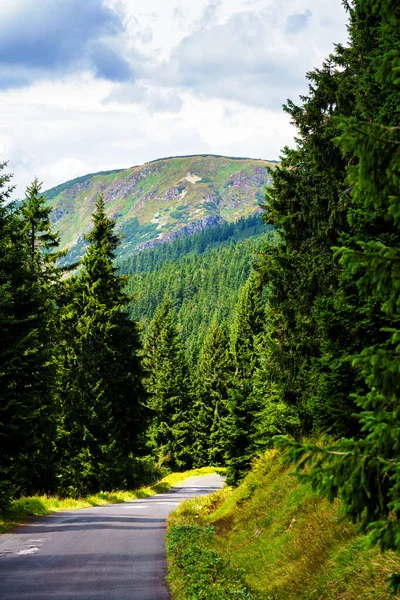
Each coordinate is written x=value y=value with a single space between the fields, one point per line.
x=108 y=64
x=244 y=59
x=297 y=21
x=152 y=98
x=56 y=143
x=254 y=56
x=40 y=40
x=62 y=170
x=115 y=83
x=209 y=14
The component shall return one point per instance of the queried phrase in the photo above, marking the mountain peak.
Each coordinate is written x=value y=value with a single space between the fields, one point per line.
x=160 y=200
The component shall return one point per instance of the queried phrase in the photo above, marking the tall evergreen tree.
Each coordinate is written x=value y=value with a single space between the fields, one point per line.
x=167 y=384
x=247 y=325
x=40 y=241
x=214 y=376
x=244 y=404
x=11 y=276
x=40 y=244
x=103 y=401
x=307 y=206
x=364 y=472
x=313 y=304
x=27 y=371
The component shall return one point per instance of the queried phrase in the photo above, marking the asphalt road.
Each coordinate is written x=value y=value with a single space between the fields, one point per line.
x=114 y=552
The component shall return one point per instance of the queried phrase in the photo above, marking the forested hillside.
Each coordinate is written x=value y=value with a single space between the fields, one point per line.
x=201 y=274
x=246 y=339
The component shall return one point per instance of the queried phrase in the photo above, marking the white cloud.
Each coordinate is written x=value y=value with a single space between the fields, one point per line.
x=60 y=170
x=207 y=76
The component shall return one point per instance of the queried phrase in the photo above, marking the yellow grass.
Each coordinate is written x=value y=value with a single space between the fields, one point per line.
x=35 y=506
x=288 y=543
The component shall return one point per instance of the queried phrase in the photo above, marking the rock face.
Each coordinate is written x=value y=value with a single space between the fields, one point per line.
x=162 y=200
x=193 y=227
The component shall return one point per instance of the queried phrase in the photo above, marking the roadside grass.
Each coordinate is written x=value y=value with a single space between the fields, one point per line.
x=196 y=570
x=208 y=575
x=34 y=506
x=281 y=539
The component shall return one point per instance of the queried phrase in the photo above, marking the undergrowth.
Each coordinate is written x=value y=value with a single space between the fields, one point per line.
x=278 y=538
x=35 y=506
x=208 y=576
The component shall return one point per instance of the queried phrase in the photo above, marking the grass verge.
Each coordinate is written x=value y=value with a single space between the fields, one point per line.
x=196 y=570
x=36 y=506
x=275 y=537
x=208 y=576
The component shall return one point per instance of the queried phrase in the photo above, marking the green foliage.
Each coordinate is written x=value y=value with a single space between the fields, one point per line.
x=244 y=403
x=363 y=470
x=214 y=379
x=103 y=412
x=201 y=287
x=196 y=569
x=168 y=388
x=365 y=473
x=283 y=540
x=28 y=288
x=197 y=243
x=306 y=206
x=11 y=287
x=40 y=242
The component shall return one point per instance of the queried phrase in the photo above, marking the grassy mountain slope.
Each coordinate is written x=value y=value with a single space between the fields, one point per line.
x=272 y=538
x=161 y=200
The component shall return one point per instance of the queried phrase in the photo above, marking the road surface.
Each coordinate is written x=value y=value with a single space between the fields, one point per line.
x=114 y=552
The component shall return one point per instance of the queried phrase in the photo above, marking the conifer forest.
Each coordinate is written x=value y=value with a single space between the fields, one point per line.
x=280 y=330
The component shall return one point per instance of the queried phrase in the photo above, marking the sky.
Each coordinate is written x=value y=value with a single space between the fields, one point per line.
x=91 y=85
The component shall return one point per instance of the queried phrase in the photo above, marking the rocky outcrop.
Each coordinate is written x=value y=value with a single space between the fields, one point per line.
x=189 y=229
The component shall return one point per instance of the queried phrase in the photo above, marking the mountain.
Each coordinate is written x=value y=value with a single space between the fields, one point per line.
x=161 y=200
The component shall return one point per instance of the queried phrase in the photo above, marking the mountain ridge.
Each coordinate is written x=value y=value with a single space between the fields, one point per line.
x=160 y=200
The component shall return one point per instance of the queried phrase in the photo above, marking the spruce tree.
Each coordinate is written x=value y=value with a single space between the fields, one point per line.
x=306 y=205
x=243 y=404
x=364 y=472
x=27 y=371
x=11 y=277
x=313 y=305
x=168 y=386
x=104 y=417
x=40 y=241
x=214 y=382
x=40 y=244
x=247 y=324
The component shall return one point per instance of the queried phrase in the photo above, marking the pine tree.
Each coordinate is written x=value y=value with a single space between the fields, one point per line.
x=41 y=250
x=243 y=404
x=40 y=241
x=167 y=384
x=364 y=472
x=211 y=409
x=27 y=372
x=11 y=275
x=306 y=205
x=103 y=402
